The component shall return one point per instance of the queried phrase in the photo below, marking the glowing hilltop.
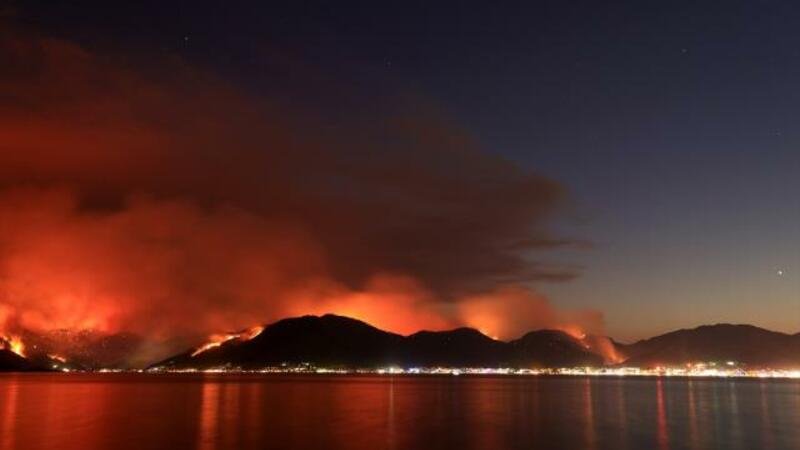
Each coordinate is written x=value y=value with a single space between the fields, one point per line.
x=332 y=342
x=336 y=344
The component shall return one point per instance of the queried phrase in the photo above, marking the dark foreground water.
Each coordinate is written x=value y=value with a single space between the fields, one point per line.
x=89 y=412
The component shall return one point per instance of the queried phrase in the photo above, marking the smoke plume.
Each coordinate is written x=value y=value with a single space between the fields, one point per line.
x=145 y=195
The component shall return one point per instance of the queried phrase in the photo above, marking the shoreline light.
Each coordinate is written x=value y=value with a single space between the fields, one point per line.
x=695 y=371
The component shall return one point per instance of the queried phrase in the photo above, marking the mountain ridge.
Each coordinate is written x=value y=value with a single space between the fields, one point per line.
x=342 y=341
x=466 y=347
x=742 y=343
x=338 y=341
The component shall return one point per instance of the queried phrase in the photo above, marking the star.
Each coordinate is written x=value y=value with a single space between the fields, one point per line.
x=780 y=272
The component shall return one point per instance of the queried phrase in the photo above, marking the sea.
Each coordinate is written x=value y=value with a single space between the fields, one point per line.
x=276 y=411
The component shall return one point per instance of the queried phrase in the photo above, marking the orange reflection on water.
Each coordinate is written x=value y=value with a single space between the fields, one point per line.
x=489 y=402
x=9 y=408
x=232 y=425
x=209 y=416
x=693 y=436
x=662 y=432
x=622 y=416
x=250 y=412
x=390 y=417
x=591 y=435
x=253 y=397
x=766 y=419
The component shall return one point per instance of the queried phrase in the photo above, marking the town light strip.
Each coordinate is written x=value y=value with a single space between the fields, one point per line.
x=699 y=371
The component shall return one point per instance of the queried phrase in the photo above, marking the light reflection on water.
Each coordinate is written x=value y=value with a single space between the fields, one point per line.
x=209 y=411
x=662 y=433
x=9 y=407
x=588 y=413
x=126 y=411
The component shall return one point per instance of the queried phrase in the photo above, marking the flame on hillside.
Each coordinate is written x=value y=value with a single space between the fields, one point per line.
x=58 y=358
x=216 y=340
x=603 y=346
x=13 y=344
x=600 y=345
x=575 y=332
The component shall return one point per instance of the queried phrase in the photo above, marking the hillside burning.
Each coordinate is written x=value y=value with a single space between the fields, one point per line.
x=217 y=340
x=13 y=344
x=109 y=225
x=604 y=346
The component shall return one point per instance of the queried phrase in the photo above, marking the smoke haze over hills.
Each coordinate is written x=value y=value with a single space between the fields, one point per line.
x=139 y=194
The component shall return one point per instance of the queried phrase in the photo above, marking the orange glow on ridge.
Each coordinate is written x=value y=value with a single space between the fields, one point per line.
x=216 y=340
x=13 y=344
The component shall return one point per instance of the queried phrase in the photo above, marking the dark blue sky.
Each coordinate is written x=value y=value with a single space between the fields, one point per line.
x=672 y=124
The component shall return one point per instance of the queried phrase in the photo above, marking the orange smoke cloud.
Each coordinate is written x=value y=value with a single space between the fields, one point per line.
x=154 y=266
x=152 y=197
x=390 y=302
x=508 y=312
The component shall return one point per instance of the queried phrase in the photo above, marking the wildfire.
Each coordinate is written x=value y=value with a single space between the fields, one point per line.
x=58 y=358
x=597 y=344
x=574 y=331
x=216 y=340
x=14 y=344
x=608 y=350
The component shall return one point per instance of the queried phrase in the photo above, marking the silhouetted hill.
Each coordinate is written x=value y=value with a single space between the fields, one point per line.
x=11 y=362
x=462 y=347
x=722 y=342
x=335 y=341
x=332 y=340
x=328 y=340
x=553 y=348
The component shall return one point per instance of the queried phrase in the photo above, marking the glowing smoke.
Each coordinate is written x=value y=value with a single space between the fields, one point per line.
x=153 y=198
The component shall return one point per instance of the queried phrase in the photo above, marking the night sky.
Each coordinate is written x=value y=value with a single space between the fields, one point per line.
x=671 y=126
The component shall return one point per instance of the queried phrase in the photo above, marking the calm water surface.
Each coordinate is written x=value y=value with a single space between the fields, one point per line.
x=206 y=412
